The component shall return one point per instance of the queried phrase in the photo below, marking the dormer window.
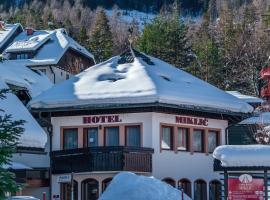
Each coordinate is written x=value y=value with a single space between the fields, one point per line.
x=21 y=92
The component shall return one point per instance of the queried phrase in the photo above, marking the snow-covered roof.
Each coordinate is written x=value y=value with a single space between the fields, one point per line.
x=16 y=166
x=7 y=32
x=111 y=83
x=243 y=155
x=246 y=98
x=52 y=46
x=127 y=185
x=258 y=118
x=16 y=73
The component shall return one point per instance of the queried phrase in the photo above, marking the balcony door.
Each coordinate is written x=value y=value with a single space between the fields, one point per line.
x=112 y=136
x=90 y=189
x=92 y=137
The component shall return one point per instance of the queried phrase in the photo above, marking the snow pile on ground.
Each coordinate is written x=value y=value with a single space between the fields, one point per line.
x=243 y=155
x=258 y=118
x=110 y=84
x=246 y=98
x=129 y=186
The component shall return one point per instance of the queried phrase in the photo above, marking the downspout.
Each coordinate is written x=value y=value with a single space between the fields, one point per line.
x=49 y=128
x=52 y=73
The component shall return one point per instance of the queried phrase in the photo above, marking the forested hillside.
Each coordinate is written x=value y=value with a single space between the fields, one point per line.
x=227 y=44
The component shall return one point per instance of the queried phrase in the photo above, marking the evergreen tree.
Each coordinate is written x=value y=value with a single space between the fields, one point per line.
x=83 y=37
x=10 y=132
x=166 y=39
x=101 y=41
x=209 y=55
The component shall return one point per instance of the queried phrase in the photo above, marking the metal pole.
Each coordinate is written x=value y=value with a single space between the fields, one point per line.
x=225 y=185
x=265 y=185
x=72 y=186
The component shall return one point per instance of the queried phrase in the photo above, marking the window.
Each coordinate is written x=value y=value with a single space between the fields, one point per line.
x=133 y=136
x=70 y=138
x=214 y=190
x=198 y=141
x=90 y=189
x=105 y=183
x=112 y=136
x=92 y=137
x=167 y=138
x=185 y=185
x=22 y=56
x=182 y=139
x=169 y=181
x=200 y=190
x=212 y=141
x=67 y=76
x=65 y=189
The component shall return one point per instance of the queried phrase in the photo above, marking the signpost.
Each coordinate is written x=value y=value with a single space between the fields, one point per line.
x=68 y=178
x=245 y=187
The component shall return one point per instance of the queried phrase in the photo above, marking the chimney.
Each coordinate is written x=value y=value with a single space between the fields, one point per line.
x=29 y=31
x=2 y=25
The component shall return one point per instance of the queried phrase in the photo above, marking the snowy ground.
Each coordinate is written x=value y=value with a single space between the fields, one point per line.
x=130 y=186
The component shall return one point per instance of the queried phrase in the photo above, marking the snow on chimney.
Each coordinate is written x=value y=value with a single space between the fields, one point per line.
x=29 y=31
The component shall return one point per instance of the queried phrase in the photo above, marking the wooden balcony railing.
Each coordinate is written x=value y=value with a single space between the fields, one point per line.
x=117 y=158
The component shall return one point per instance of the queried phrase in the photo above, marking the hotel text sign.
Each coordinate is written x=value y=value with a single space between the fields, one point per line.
x=191 y=120
x=102 y=119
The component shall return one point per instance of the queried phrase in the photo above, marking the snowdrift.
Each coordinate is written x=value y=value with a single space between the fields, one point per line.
x=130 y=186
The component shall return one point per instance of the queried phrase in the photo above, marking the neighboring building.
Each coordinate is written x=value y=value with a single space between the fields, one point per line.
x=254 y=101
x=136 y=113
x=8 y=32
x=53 y=52
x=31 y=161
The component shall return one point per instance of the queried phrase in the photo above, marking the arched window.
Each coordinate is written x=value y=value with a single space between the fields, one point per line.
x=169 y=181
x=90 y=189
x=200 y=190
x=214 y=190
x=65 y=189
x=105 y=183
x=185 y=185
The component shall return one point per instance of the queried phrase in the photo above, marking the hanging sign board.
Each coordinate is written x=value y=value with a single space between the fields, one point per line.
x=64 y=178
x=245 y=188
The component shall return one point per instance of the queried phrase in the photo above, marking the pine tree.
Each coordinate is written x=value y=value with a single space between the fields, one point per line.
x=166 y=39
x=101 y=42
x=83 y=37
x=10 y=132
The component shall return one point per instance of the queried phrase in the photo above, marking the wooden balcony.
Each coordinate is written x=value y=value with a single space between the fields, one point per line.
x=118 y=158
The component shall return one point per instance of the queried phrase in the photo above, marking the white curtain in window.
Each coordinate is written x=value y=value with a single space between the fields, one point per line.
x=197 y=140
x=166 y=138
x=182 y=139
x=212 y=141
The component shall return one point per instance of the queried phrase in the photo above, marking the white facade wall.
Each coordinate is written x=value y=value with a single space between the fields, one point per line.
x=166 y=164
x=55 y=74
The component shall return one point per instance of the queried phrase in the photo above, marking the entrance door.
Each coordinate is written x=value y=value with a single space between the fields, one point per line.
x=90 y=189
